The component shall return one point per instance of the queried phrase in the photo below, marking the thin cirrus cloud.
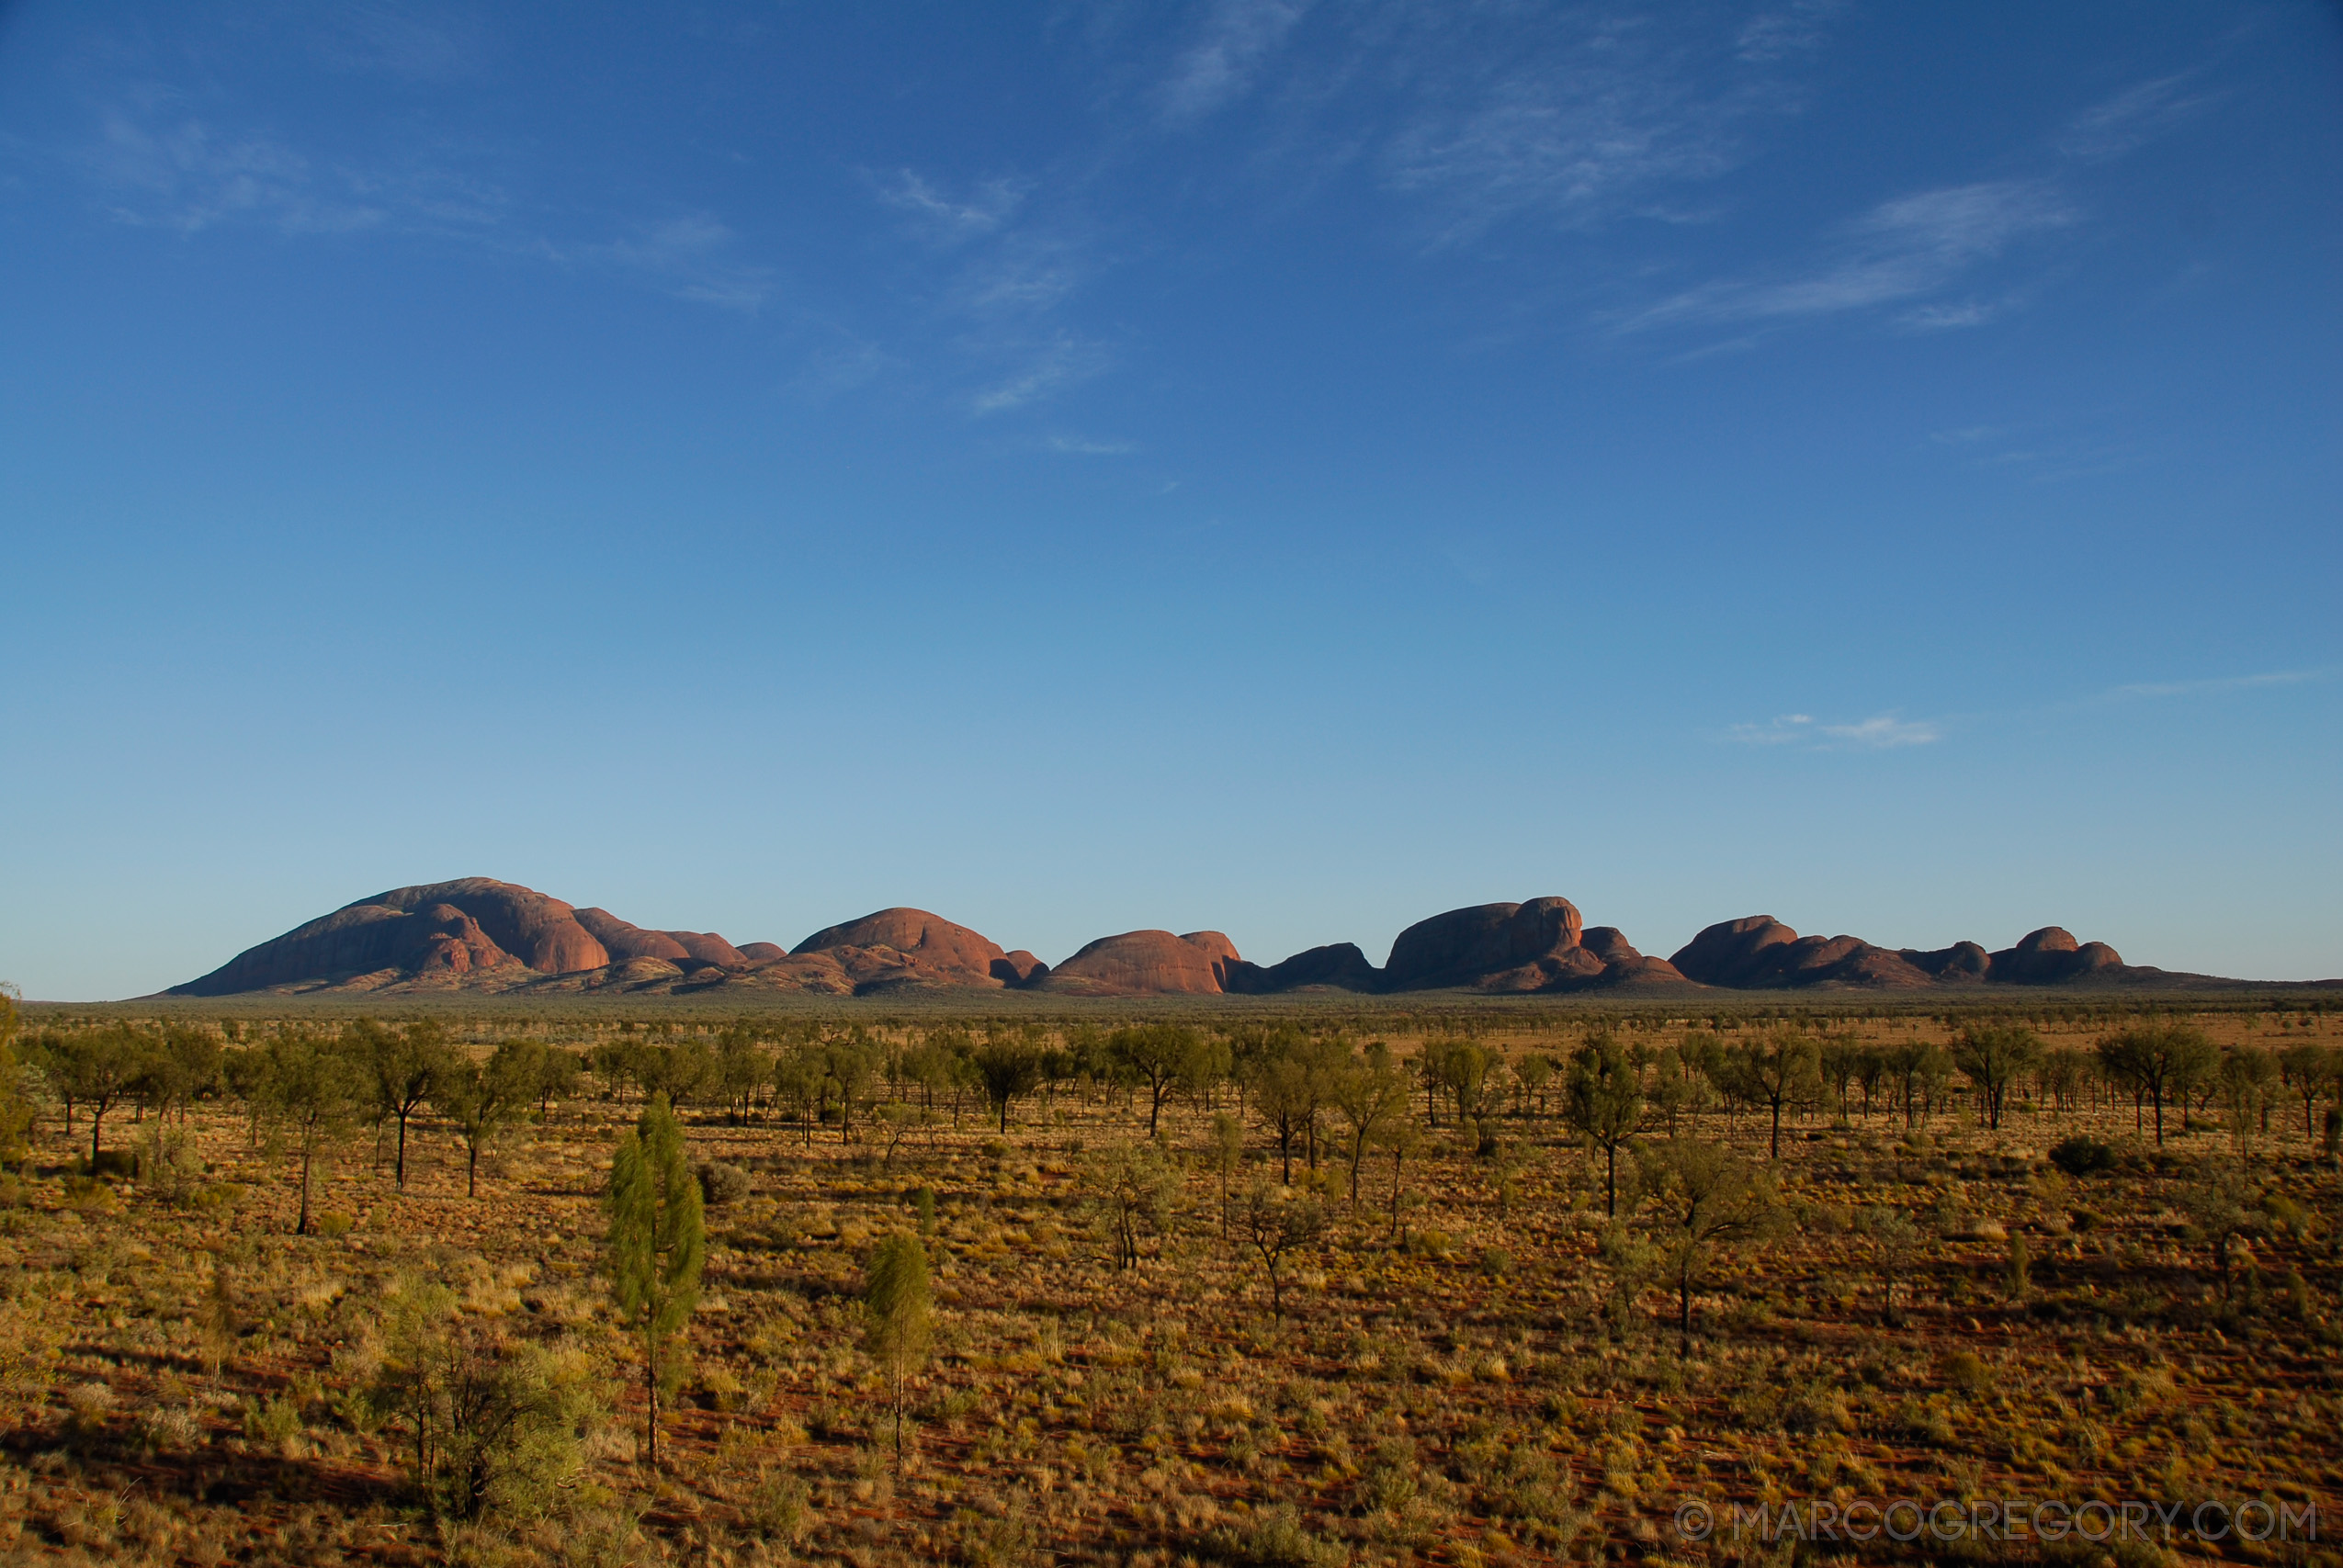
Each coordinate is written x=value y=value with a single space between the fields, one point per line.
x=1794 y=29
x=1009 y=270
x=1597 y=120
x=694 y=256
x=1909 y=252
x=395 y=41
x=2221 y=683
x=1091 y=447
x=1045 y=368
x=1899 y=253
x=190 y=176
x=185 y=173
x=1883 y=732
x=947 y=219
x=1027 y=275
x=1222 y=63
x=1552 y=147
x=2131 y=118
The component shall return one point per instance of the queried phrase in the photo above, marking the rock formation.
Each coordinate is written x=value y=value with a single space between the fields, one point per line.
x=481 y=935
x=1758 y=953
x=622 y=941
x=927 y=948
x=1145 y=964
x=1537 y=946
x=1338 y=967
x=444 y=928
x=1019 y=969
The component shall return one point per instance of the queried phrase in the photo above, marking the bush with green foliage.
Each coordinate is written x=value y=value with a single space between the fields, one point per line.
x=2081 y=1154
x=658 y=1245
x=491 y=1425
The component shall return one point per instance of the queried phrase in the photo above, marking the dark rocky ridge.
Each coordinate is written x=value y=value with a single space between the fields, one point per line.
x=481 y=935
x=1758 y=953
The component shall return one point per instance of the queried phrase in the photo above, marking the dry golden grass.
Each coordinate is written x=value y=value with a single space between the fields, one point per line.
x=177 y=1376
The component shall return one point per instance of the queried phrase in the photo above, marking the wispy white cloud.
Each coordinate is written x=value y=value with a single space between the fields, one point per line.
x=1091 y=447
x=844 y=363
x=951 y=220
x=2222 y=683
x=1578 y=119
x=1548 y=146
x=2131 y=118
x=1778 y=34
x=153 y=166
x=1883 y=732
x=1950 y=317
x=1024 y=275
x=695 y=256
x=1014 y=263
x=1897 y=253
x=189 y=176
x=1050 y=368
x=407 y=44
x=1223 y=62
x=1880 y=733
x=1786 y=729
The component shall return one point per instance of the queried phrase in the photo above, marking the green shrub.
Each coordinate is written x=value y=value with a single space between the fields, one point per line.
x=1274 y=1538
x=722 y=1389
x=833 y=1422
x=1965 y=1370
x=1816 y=1408
x=2082 y=1155
x=721 y=1183
x=489 y=1427
x=91 y=1403
x=779 y=1508
x=1391 y=1479
x=275 y=1423
x=997 y=1537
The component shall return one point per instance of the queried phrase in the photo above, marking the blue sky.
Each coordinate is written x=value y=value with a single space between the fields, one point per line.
x=1284 y=467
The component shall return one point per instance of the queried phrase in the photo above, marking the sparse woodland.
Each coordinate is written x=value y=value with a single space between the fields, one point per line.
x=1301 y=1286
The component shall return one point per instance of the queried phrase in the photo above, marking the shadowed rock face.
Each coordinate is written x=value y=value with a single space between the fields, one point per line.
x=1760 y=952
x=1622 y=964
x=1340 y=967
x=1018 y=968
x=1542 y=945
x=1964 y=960
x=709 y=948
x=1731 y=951
x=929 y=940
x=1465 y=946
x=1219 y=949
x=421 y=931
x=1145 y=964
x=2051 y=957
x=624 y=941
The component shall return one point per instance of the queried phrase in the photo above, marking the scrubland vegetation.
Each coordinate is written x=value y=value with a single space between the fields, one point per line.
x=1475 y=1287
